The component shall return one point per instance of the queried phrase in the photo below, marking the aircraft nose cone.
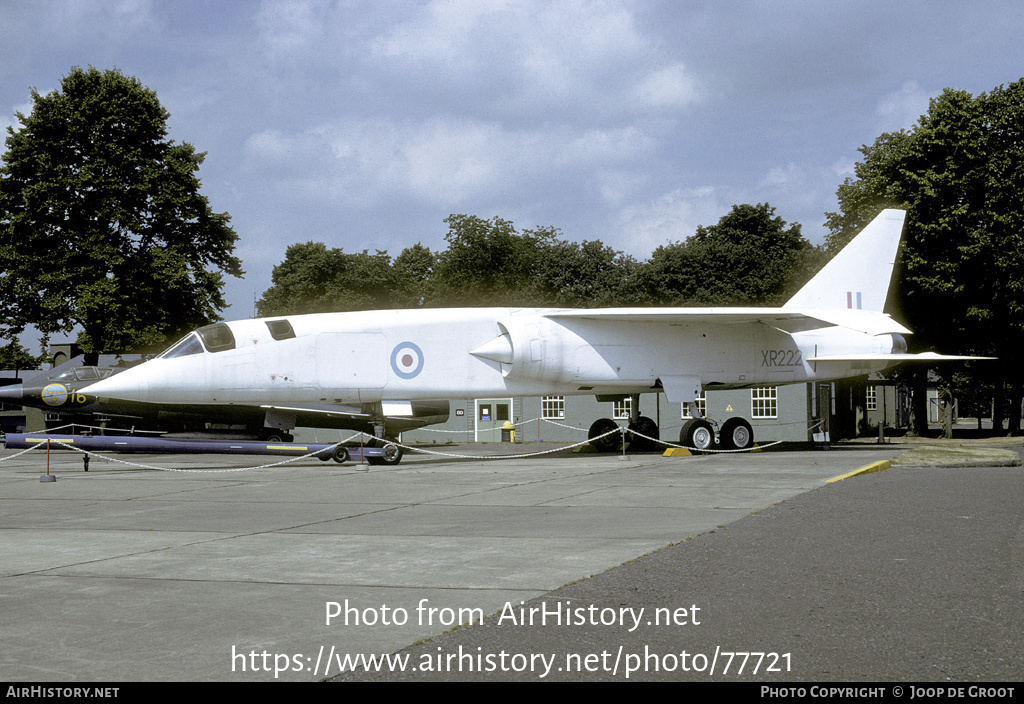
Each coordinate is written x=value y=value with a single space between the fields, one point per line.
x=12 y=393
x=124 y=386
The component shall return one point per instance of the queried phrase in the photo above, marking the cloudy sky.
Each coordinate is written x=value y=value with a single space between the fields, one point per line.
x=364 y=124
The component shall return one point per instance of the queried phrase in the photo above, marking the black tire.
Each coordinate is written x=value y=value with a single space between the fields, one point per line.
x=697 y=435
x=644 y=426
x=340 y=454
x=737 y=434
x=609 y=443
x=392 y=456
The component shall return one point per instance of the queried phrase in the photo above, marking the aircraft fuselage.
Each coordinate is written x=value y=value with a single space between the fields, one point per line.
x=404 y=355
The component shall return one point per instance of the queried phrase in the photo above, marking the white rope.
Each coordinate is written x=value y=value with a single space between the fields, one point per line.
x=289 y=460
x=495 y=457
x=18 y=454
x=317 y=453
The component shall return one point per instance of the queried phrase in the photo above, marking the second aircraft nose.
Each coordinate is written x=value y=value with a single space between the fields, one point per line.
x=126 y=386
x=12 y=393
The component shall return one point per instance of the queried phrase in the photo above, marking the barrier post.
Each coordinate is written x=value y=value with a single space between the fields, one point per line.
x=47 y=477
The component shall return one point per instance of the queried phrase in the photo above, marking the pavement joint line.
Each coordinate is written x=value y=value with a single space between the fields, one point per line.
x=880 y=466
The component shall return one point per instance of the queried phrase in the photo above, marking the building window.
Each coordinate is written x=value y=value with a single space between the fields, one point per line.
x=702 y=406
x=621 y=409
x=871 y=398
x=764 y=402
x=552 y=407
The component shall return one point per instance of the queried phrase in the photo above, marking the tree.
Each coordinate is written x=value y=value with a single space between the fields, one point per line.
x=751 y=257
x=14 y=356
x=315 y=279
x=489 y=263
x=586 y=275
x=959 y=173
x=414 y=270
x=102 y=224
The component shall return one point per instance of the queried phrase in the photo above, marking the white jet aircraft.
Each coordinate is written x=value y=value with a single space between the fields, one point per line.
x=834 y=327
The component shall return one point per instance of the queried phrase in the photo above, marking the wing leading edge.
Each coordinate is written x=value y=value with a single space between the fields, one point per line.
x=789 y=320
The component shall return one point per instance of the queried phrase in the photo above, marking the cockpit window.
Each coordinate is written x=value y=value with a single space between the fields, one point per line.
x=189 y=344
x=280 y=329
x=83 y=374
x=217 y=337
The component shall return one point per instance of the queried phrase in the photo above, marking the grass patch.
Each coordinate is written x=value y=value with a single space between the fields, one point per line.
x=955 y=453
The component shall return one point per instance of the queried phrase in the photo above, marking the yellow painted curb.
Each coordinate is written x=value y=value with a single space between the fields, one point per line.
x=870 y=469
x=676 y=452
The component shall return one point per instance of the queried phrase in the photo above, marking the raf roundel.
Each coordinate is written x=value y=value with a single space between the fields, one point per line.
x=407 y=360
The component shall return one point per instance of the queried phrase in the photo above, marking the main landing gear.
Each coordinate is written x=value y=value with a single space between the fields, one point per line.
x=699 y=434
x=603 y=439
x=641 y=434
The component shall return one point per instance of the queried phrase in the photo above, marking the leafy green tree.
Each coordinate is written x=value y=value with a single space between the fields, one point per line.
x=751 y=257
x=586 y=275
x=489 y=263
x=959 y=173
x=413 y=272
x=14 y=356
x=102 y=224
x=315 y=279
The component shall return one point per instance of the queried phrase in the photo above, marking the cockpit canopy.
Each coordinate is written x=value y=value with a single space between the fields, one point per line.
x=211 y=338
x=219 y=338
x=83 y=374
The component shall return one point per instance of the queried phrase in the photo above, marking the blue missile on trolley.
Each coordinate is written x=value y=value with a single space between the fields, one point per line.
x=130 y=443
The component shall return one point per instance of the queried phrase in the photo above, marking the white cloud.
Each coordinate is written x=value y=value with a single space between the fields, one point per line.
x=368 y=121
x=290 y=27
x=672 y=217
x=901 y=109
x=584 y=59
x=668 y=87
x=844 y=168
x=29 y=26
x=443 y=160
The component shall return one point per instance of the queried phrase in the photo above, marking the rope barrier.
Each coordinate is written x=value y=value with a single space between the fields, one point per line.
x=317 y=453
x=67 y=446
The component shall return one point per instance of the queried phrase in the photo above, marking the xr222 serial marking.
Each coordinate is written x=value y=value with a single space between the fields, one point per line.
x=781 y=358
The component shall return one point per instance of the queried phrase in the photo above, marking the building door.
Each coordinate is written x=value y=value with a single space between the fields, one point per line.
x=823 y=405
x=491 y=414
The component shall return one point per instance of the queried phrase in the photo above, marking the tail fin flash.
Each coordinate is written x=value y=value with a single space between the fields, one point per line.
x=859 y=276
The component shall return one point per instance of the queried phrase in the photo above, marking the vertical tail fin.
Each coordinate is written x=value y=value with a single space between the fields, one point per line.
x=859 y=276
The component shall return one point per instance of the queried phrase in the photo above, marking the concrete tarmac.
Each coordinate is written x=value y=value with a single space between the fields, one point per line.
x=911 y=575
x=208 y=573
